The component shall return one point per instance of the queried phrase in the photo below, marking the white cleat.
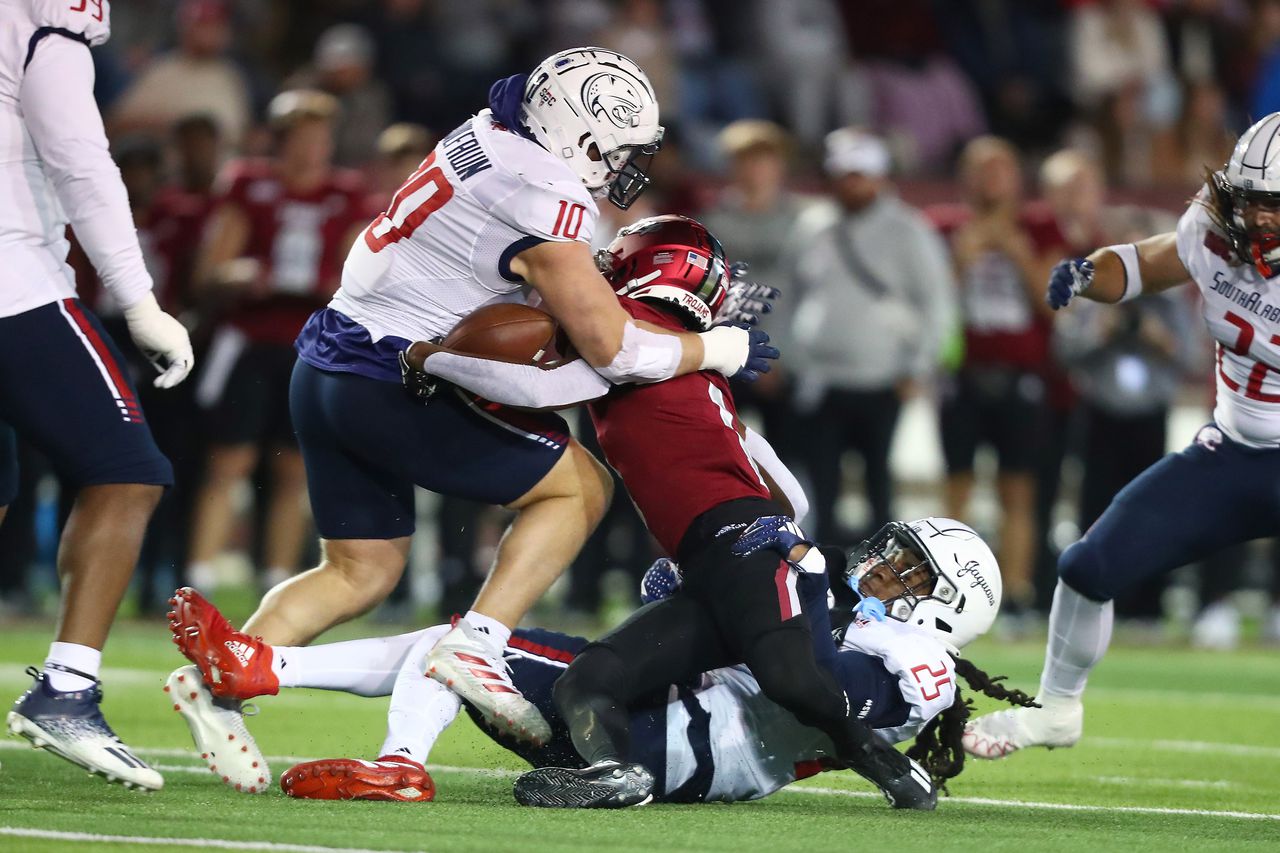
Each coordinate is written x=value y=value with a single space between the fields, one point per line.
x=218 y=729
x=71 y=726
x=462 y=662
x=1059 y=723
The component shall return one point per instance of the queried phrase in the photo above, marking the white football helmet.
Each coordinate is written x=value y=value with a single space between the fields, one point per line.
x=935 y=573
x=1251 y=176
x=595 y=109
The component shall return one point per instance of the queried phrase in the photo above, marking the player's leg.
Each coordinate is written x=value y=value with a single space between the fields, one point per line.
x=8 y=468
x=958 y=425
x=1151 y=527
x=92 y=429
x=286 y=515
x=1014 y=424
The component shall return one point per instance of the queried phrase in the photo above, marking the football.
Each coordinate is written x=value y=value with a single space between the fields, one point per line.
x=512 y=332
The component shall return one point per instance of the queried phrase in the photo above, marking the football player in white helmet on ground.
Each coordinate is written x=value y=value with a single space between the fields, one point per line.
x=1220 y=490
x=503 y=210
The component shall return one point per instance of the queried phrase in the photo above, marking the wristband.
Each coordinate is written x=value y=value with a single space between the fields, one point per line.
x=723 y=350
x=812 y=563
x=1128 y=255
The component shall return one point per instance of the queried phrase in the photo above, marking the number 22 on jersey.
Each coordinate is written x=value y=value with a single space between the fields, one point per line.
x=1253 y=388
x=425 y=192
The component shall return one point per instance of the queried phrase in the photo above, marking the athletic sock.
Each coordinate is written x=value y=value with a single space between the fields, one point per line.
x=1079 y=633
x=363 y=667
x=421 y=708
x=83 y=659
x=496 y=635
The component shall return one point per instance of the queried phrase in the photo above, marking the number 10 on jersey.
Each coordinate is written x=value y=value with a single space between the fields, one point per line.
x=423 y=194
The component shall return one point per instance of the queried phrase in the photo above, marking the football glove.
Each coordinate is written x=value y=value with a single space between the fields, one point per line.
x=420 y=385
x=746 y=301
x=661 y=580
x=1069 y=279
x=772 y=532
x=870 y=608
x=162 y=339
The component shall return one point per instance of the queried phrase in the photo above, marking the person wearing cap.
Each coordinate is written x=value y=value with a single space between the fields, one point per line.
x=196 y=77
x=874 y=298
x=343 y=66
x=272 y=253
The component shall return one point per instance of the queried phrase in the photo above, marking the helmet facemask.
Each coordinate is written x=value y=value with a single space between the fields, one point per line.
x=895 y=567
x=1254 y=246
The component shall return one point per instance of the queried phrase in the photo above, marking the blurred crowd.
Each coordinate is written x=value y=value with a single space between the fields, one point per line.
x=906 y=171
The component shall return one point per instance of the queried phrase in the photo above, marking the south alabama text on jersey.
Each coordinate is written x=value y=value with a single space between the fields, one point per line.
x=444 y=246
x=1242 y=311
x=756 y=747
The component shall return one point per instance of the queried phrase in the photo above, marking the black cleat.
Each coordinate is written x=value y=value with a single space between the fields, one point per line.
x=904 y=783
x=606 y=785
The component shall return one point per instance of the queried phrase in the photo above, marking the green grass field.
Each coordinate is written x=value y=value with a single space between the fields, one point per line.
x=1182 y=752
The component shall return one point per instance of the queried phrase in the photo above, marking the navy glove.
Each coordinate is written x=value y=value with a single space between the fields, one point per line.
x=773 y=532
x=758 y=358
x=660 y=580
x=1069 y=278
x=746 y=301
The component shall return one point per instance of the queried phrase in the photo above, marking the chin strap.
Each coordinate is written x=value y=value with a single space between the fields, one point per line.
x=505 y=96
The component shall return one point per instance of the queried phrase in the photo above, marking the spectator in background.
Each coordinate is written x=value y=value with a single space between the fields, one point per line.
x=273 y=250
x=753 y=219
x=1265 y=29
x=1201 y=141
x=875 y=301
x=342 y=65
x=197 y=77
x=1002 y=256
x=401 y=149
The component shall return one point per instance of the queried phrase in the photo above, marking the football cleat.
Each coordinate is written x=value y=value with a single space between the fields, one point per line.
x=389 y=778
x=71 y=726
x=1059 y=722
x=234 y=664
x=904 y=783
x=218 y=729
x=463 y=662
x=605 y=785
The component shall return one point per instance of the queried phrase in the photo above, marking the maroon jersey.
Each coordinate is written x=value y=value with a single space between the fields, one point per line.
x=298 y=238
x=1002 y=328
x=675 y=444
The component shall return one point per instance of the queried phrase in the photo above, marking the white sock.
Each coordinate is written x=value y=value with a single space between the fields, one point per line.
x=73 y=656
x=1079 y=633
x=420 y=708
x=363 y=667
x=496 y=633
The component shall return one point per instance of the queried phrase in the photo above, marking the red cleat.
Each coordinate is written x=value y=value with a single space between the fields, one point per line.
x=390 y=778
x=233 y=664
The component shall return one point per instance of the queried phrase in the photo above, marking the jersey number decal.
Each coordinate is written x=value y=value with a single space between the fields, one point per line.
x=570 y=217
x=1253 y=388
x=939 y=678
x=423 y=194
x=84 y=4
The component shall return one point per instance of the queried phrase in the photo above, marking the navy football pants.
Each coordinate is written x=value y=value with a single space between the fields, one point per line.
x=1187 y=506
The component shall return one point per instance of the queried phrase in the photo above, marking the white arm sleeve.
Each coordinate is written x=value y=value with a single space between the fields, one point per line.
x=763 y=454
x=57 y=105
x=643 y=357
x=520 y=385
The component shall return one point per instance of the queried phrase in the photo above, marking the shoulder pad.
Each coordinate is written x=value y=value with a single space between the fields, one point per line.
x=90 y=19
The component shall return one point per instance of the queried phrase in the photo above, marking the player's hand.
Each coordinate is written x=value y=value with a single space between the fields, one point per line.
x=661 y=580
x=870 y=608
x=420 y=385
x=162 y=339
x=1069 y=279
x=747 y=301
x=772 y=532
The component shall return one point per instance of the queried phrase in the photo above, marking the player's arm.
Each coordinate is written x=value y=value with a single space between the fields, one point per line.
x=220 y=262
x=522 y=385
x=783 y=485
x=56 y=99
x=623 y=350
x=1119 y=273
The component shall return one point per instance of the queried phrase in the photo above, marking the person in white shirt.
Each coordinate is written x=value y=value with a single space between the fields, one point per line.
x=62 y=385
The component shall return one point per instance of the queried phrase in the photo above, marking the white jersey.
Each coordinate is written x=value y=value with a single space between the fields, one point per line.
x=1242 y=310
x=54 y=164
x=443 y=248
x=757 y=747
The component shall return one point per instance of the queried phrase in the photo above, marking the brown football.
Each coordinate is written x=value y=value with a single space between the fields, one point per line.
x=511 y=332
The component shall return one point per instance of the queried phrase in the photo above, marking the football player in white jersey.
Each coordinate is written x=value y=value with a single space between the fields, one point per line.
x=63 y=387
x=503 y=210
x=718 y=739
x=1219 y=491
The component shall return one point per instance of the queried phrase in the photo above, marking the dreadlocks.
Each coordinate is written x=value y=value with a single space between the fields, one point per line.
x=939 y=748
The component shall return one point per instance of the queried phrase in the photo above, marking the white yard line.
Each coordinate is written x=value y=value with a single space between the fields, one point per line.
x=1242 y=750
x=207 y=843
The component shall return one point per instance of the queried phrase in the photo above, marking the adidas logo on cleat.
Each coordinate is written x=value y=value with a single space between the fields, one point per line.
x=242 y=651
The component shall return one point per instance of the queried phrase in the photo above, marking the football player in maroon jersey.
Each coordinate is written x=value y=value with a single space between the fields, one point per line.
x=273 y=253
x=683 y=455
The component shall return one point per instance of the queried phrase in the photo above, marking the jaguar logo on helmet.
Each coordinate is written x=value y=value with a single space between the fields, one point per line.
x=618 y=106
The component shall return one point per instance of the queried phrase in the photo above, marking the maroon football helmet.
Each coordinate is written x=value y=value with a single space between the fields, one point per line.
x=671 y=259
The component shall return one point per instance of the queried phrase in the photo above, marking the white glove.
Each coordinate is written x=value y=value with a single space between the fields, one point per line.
x=162 y=339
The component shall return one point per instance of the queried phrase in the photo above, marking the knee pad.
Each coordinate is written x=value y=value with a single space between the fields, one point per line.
x=1083 y=568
